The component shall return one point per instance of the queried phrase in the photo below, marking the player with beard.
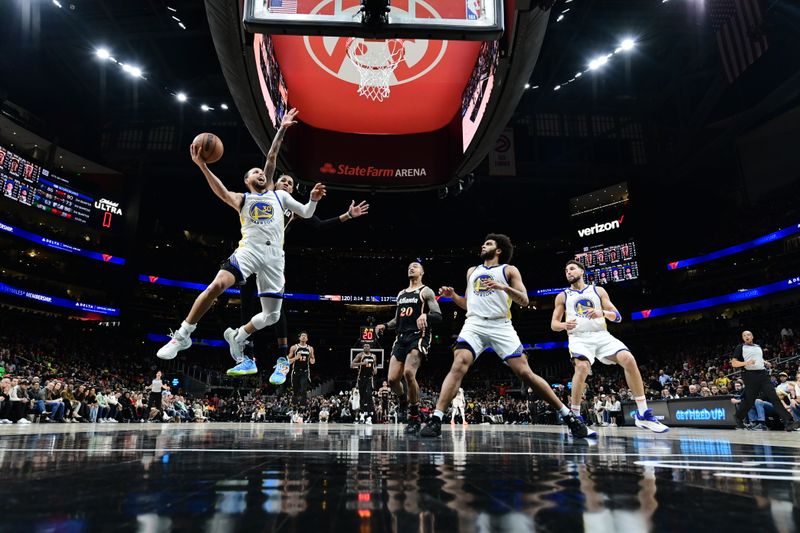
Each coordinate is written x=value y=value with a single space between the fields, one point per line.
x=491 y=288
x=260 y=251
x=587 y=309
x=417 y=308
x=286 y=183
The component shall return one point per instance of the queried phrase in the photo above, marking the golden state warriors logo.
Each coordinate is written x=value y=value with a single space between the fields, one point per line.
x=261 y=213
x=584 y=307
x=480 y=287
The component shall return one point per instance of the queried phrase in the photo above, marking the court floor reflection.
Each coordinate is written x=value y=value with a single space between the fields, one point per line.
x=223 y=477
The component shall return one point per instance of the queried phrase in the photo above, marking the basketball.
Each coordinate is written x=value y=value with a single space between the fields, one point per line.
x=211 y=148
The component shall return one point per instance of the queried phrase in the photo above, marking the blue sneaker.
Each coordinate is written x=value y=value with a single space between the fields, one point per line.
x=245 y=368
x=649 y=421
x=278 y=377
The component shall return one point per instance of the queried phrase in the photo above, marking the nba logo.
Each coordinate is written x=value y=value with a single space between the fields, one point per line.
x=473 y=9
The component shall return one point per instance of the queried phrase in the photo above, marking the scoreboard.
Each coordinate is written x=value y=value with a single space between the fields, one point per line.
x=609 y=264
x=34 y=186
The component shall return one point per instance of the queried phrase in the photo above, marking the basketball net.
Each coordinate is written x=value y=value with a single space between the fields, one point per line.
x=375 y=61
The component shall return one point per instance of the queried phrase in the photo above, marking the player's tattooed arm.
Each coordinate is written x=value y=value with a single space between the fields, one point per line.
x=434 y=314
x=392 y=324
x=274 y=150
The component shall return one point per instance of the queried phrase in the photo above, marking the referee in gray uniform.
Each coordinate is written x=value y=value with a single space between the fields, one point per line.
x=750 y=358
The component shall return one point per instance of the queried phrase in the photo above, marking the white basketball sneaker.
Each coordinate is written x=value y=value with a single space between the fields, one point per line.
x=175 y=345
x=236 y=348
x=649 y=421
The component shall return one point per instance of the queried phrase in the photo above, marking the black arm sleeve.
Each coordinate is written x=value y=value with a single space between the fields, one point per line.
x=434 y=317
x=328 y=223
x=737 y=353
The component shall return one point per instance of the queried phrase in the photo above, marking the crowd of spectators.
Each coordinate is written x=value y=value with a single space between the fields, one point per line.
x=55 y=379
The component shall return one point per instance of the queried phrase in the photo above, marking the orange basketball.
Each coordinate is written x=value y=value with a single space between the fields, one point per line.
x=210 y=147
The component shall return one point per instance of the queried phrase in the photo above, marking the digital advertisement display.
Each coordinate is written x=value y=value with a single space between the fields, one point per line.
x=610 y=264
x=32 y=185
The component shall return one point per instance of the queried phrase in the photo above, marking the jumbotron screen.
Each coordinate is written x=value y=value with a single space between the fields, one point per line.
x=35 y=186
x=609 y=264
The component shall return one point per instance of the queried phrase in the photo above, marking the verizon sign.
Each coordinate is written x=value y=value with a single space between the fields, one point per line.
x=601 y=227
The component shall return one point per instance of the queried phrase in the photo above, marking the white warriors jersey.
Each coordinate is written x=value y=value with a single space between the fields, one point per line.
x=579 y=304
x=485 y=302
x=262 y=218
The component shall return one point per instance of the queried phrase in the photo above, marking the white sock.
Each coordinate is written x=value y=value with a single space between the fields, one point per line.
x=241 y=335
x=565 y=410
x=186 y=329
x=438 y=414
x=641 y=404
x=576 y=410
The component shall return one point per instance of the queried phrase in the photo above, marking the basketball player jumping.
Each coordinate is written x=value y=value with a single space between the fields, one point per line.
x=286 y=183
x=260 y=251
x=301 y=357
x=412 y=321
x=491 y=287
x=587 y=308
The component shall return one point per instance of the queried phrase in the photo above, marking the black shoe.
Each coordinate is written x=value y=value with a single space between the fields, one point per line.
x=792 y=426
x=577 y=427
x=433 y=428
x=413 y=426
x=402 y=413
x=740 y=424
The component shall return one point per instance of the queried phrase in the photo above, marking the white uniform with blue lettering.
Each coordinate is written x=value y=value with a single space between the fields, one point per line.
x=260 y=250
x=590 y=339
x=488 y=323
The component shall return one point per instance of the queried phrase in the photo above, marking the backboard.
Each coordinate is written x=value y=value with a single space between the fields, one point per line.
x=466 y=20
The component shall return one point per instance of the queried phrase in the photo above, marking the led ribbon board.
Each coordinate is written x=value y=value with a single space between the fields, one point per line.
x=748 y=294
x=60 y=302
x=51 y=243
x=345 y=298
x=766 y=239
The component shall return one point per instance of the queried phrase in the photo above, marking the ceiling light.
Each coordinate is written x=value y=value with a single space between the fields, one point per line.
x=204 y=107
x=627 y=44
x=557 y=87
x=560 y=18
x=224 y=107
x=136 y=72
x=181 y=97
x=102 y=53
x=527 y=85
x=598 y=62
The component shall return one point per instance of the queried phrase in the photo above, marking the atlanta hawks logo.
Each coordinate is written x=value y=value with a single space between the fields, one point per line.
x=420 y=55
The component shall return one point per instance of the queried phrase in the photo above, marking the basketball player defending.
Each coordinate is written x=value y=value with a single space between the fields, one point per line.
x=301 y=357
x=458 y=408
x=587 y=308
x=286 y=183
x=260 y=251
x=491 y=287
x=416 y=309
